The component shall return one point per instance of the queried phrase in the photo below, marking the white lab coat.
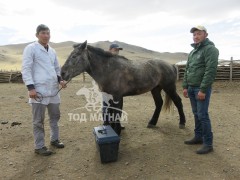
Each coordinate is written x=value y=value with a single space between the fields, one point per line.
x=41 y=68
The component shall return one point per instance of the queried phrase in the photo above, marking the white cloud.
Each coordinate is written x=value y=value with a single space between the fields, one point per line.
x=160 y=25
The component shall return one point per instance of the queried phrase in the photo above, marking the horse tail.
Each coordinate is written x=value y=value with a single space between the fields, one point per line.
x=167 y=103
x=175 y=70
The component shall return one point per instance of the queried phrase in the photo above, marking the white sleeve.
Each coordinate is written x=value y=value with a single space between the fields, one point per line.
x=27 y=65
x=56 y=65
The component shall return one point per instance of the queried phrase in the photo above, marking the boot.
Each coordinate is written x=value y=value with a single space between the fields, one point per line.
x=194 y=141
x=204 y=149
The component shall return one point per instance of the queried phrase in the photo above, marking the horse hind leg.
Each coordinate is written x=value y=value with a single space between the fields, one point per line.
x=156 y=93
x=171 y=92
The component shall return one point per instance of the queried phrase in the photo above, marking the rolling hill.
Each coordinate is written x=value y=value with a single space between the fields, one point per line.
x=11 y=55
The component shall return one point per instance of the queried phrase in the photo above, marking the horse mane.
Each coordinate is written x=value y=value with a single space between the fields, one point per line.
x=101 y=52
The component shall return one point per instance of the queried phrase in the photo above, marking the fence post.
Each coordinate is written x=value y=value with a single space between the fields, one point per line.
x=83 y=76
x=10 y=77
x=177 y=72
x=231 y=69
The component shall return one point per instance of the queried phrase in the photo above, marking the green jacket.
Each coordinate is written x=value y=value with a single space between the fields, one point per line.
x=201 y=67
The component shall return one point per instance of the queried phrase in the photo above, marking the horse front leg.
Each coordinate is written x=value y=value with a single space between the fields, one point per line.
x=156 y=93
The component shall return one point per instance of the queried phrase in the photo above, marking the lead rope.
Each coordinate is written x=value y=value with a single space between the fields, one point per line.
x=40 y=97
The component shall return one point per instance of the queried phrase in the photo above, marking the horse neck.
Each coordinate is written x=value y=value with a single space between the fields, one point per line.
x=97 y=64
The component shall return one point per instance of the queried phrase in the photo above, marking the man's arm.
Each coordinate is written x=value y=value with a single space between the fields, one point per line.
x=211 y=62
x=57 y=67
x=27 y=65
x=184 y=83
x=58 y=71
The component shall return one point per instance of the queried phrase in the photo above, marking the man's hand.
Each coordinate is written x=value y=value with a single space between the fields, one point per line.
x=32 y=94
x=185 y=93
x=201 y=96
x=63 y=84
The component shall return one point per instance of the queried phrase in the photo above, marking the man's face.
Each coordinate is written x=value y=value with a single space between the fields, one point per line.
x=199 y=36
x=114 y=51
x=43 y=37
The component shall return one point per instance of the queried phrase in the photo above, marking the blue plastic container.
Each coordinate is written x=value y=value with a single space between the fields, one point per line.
x=107 y=142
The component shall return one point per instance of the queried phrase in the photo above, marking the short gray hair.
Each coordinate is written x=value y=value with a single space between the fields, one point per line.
x=42 y=27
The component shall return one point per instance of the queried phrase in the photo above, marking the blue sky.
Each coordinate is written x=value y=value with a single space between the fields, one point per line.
x=160 y=25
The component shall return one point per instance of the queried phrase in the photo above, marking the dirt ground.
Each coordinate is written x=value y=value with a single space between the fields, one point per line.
x=143 y=153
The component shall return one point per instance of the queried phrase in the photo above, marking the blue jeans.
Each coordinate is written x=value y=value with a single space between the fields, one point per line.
x=203 y=127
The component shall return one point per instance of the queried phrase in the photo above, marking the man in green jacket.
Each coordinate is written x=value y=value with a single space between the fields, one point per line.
x=199 y=75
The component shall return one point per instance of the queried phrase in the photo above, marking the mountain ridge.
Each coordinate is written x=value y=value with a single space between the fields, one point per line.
x=11 y=54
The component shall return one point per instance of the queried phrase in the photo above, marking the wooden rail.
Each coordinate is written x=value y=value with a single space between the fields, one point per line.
x=227 y=70
x=16 y=76
x=10 y=76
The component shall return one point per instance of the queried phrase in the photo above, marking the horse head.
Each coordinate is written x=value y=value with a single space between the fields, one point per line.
x=76 y=63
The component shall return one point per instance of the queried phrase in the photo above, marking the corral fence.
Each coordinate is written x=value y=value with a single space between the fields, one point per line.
x=227 y=70
x=10 y=76
x=16 y=76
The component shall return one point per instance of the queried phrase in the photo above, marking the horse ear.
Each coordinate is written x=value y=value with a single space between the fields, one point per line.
x=84 y=45
x=76 y=45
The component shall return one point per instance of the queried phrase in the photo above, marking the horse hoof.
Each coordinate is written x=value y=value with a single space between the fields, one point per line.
x=151 y=126
x=181 y=126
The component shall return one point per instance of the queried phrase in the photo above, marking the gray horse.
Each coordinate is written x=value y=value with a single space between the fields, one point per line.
x=121 y=77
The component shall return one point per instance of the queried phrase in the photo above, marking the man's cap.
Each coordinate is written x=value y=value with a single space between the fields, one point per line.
x=201 y=28
x=114 y=45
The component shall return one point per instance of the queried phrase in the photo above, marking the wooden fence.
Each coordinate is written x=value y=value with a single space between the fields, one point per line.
x=10 y=76
x=16 y=76
x=227 y=70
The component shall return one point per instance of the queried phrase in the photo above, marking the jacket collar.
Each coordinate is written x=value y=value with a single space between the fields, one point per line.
x=201 y=44
x=42 y=47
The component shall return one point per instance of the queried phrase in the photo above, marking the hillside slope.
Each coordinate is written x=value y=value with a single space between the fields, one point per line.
x=11 y=55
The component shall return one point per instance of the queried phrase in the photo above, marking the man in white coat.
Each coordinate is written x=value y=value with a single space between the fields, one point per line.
x=41 y=75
